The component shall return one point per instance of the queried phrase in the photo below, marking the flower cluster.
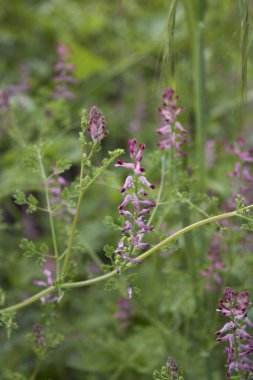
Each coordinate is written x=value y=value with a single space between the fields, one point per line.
x=241 y=173
x=234 y=332
x=56 y=184
x=10 y=93
x=172 y=132
x=124 y=313
x=39 y=338
x=97 y=125
x=212 y=274
x=135 y=207
x=63 y=77
x=49 y=281
x=170 y=371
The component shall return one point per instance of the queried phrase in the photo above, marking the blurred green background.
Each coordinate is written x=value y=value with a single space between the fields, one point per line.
x=125 y=54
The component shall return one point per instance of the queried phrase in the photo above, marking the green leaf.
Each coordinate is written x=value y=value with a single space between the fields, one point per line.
x=32 y=203
x=111 y=284
x=62 y=165
x=19 y=198
x=109 y=251
x=28 y=246
x=7 y=320
x=109 y=223
x=30 y=250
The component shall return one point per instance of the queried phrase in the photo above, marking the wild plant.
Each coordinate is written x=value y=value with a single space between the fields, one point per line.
x=142 y=229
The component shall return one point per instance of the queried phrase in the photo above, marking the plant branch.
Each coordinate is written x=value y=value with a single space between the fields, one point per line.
x=141 y=257
x=76 y=217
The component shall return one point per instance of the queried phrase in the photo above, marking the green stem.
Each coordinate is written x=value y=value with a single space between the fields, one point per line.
x=195 y=17
x=199 y=80
x=51 y=219
x=36 y=369
x=176 y=235
x=141 y=257
x=77 y=213
x=76 y=217
x=29 y=300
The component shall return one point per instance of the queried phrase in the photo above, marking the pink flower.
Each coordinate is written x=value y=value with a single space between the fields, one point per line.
x=171 y=131
x=240 y=342
x=64 y=77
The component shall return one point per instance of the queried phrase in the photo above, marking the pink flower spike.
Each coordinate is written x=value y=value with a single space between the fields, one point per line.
x=137 y=213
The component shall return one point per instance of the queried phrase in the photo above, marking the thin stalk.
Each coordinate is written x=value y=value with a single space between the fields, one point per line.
x=77 y=213
x=200 y=95
x=141 y=257
x=50 y=213
x=181 y=232
x=195 y=19
x=75 y=220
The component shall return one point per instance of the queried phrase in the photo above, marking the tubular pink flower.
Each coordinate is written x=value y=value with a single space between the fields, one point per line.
x=148 y=203
x=145 y=182
x=125 y=201
x=125 y=164
x=128 y=184
x=132 y=143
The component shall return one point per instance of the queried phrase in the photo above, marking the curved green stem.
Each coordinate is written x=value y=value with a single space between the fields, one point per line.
x=29 y=300
x=51 y=219
x=141 y=257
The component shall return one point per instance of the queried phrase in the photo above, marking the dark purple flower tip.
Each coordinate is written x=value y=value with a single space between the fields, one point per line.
x=143 y=192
